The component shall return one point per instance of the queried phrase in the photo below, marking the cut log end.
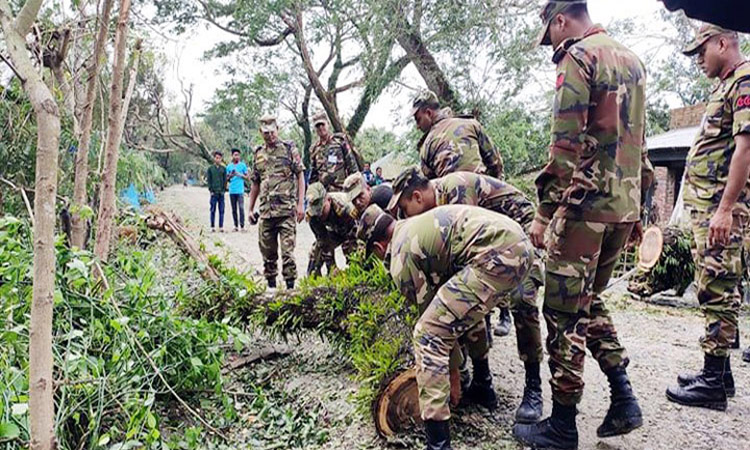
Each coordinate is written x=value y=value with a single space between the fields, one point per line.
x=396 y=409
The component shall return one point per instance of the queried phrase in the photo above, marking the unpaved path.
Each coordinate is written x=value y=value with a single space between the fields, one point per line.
x=661 y=342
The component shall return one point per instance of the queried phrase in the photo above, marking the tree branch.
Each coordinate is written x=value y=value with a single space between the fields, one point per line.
x=27 y=16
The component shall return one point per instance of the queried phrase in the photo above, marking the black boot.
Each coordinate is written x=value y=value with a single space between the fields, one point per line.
x=707 y=391
x=746 y=355
x=530 y=410
x=557 y=432
x=503 y=326
x=438 y=435
x=271 y=283
x=688 y=379
x=624 y=414
x=481 y=391
x=290 y=283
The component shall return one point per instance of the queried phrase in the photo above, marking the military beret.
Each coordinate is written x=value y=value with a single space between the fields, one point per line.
x=704 y=33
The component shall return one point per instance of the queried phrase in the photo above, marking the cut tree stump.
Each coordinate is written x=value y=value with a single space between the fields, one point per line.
x=396 y=408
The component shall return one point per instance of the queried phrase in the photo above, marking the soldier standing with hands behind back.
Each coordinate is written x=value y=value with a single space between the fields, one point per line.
x=278 y=179
x=332 y=158
x=590 y=196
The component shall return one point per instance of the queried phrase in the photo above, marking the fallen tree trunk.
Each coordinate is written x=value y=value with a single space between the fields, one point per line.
x=673 y=270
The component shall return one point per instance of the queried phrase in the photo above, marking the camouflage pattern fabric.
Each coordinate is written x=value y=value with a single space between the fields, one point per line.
x=727 y=115
x=339 y=229
x=581 y=256
x=272 y=233
x=460 y=261
x=331 y=162
x=598 y=168
x=275 y=170
x=458 y=144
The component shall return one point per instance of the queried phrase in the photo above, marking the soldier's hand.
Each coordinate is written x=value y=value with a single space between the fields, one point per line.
x=636 y=235
x=253 y=217
x=536 y=234
x=719 y=228
x=300 y=213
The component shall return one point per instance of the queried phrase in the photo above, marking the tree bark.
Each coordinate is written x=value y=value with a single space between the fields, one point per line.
x=107 y=205
x=78 y=232
x=132 y=79
x=41 y=401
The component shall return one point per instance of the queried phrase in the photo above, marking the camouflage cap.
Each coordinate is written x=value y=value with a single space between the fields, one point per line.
x=403 y=181
x=704 y=33
x=368 y=221
x=549 y=11
x=423 y=99
x=316 y=195
x=354 y=185
x=319 y=117
x=268 y=123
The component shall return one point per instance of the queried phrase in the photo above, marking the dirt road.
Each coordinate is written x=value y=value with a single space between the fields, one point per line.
x=661 y=342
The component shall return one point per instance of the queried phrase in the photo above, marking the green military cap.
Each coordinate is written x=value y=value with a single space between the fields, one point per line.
x=316 y=195
x=403 y=181
x=320 y=117
x=549 y=11
x=354 y=185
x=368 y=222
x=268 y=123
x=424 y=99
x=704 y=33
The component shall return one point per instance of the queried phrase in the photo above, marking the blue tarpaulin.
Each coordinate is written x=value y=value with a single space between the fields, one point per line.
x=133 y=198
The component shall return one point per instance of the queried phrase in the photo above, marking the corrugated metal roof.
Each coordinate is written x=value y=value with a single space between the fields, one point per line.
x=679 y=138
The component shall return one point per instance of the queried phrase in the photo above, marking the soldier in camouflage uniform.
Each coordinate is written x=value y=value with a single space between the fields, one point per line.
x=414 y=194
x=590 y=196
x=452 y=144
x=460 y=262
x=331 y=158
x=332 y=220
x=717 y=196
x=361 y=195
x=278 y=180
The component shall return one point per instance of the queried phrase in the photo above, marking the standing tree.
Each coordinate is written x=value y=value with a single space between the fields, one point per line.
x=41 y=383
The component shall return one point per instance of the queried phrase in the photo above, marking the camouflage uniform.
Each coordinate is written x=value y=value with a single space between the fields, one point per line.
x=460 y=261
x=719 y=267
x=338 y=229
x=591 y=190
x=331 y=161
x=456 y=144
x=275 y=171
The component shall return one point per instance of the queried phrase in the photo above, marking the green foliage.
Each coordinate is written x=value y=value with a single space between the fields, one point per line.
x=521 y=136
x=139 y=168
x=675 y=268
x=374 y=143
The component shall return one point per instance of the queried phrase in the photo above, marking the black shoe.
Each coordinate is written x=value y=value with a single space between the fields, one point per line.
x=686 y=379
x=624 y=414
x=271 y=283
x=707 y=391
x=481 y=391
x=530 y=410
x=290 y=283
x=503 y=326
x=557 y=432
x=746 y=355
x=438 y=435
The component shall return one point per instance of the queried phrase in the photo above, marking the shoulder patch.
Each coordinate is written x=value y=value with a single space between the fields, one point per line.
x=560 y=81
x=743 y=102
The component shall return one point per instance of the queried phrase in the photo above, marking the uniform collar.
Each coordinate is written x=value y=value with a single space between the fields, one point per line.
x=567 y=43
x=733 y=69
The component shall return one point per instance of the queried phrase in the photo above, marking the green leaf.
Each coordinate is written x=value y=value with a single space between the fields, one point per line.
x=19 y=409
x=9 y=430
x=103 y=440
x=150 y=420
x=196 y=362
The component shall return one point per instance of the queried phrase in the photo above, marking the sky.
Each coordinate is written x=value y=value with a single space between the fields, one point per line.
x=185 y=52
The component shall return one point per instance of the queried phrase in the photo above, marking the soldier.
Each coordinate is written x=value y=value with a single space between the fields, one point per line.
x=278 y=180
x=590 y=196
x=452 y=144
x=458 y=262
x=361 y=194
x=414 y=194
x=333 y=221
x=717 y=195
x=332 y=158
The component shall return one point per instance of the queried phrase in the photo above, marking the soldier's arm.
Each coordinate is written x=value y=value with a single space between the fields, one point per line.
x=314 y=174
x=255 y=186
x=350 y=162
x=569 y=122
x=490 y=154
x=411 y=282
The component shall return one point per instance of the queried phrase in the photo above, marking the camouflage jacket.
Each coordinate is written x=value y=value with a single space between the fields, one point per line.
x=727 y=115
x=466 y=188
x=458 y=144
x=598 y=166
x=341 y=224
x=275 y=170
x=332 y=162
x=428 y=249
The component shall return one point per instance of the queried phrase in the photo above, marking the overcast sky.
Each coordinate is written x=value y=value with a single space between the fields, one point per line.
x=185 y=53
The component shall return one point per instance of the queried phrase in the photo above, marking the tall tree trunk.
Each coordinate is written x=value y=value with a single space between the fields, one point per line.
x=114 y=135
x=78 y=233
x=132 y=79
x=41 y=401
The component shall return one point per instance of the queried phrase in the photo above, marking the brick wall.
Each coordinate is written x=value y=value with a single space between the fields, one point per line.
x=659 y=200
x=689 y=116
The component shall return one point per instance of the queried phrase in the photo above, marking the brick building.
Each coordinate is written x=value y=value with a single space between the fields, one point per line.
x=667 y=152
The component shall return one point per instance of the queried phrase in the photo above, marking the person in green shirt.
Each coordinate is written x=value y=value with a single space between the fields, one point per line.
x=217 y=186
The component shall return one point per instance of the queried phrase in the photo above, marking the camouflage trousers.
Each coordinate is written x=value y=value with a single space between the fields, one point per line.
x=322 y=254
x=580 y=261
x=274 y=233
x=718 y=276
x=459 y=305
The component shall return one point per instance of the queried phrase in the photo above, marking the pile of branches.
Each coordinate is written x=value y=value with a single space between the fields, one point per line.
x=674 y=270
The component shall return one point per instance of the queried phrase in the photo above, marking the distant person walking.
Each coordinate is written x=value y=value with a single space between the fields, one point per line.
x=217 y=186
x=237 y=173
